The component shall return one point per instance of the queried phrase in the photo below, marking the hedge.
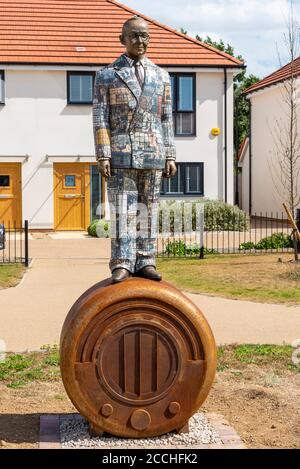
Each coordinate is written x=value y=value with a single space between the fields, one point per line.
x=218 y=216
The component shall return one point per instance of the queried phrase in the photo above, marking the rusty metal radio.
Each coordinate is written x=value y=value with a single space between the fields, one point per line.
x=138 y=358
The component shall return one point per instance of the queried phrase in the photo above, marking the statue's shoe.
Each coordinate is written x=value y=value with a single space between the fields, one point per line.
x=119 y=275
x=150 y=272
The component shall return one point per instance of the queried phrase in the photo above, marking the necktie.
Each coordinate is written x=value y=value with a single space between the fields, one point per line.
x=138 y=73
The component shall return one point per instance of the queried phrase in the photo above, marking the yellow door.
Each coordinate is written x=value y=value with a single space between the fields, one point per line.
x=71 y=196
x=10 y=194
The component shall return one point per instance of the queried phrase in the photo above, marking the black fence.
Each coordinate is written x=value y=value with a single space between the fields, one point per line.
x=228 y=234
x=14 y=243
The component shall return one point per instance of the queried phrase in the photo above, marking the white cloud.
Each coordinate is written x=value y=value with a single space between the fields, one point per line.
x=252 y=27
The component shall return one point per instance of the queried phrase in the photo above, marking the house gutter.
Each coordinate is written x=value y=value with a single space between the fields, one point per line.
x=225 y=133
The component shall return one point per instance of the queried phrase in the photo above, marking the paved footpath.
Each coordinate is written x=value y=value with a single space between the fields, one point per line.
x=32 y=313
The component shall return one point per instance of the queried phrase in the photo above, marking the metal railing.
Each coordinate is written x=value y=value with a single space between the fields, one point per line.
x=217 y=234
x=14 y=243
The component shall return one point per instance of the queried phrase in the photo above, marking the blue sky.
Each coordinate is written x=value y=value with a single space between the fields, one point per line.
x=252 y=27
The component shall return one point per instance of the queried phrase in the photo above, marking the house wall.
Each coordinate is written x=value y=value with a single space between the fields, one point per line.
x=37 y=121
x=268 y=106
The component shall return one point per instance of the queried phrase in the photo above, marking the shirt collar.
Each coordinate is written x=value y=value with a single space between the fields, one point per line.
x=131 y=61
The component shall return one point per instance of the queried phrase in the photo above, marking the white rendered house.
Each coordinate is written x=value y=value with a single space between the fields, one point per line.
x=260 y=191
x=48 y=61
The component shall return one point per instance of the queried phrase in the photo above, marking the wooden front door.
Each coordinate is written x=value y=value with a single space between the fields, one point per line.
x=10 y=194
x=71 y=196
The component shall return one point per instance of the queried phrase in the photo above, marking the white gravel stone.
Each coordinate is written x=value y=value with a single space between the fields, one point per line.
x=74 y=434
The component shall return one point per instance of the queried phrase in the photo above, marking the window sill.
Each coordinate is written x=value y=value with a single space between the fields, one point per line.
x=185 y=135
x=80 y=104
x=181 y=195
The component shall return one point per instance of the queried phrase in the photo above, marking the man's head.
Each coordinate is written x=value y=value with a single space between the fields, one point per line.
x=135 y=37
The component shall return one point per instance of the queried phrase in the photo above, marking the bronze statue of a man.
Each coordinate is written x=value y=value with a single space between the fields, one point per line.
x=134 y=141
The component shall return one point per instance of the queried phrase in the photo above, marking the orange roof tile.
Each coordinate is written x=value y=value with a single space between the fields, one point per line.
x=49 y=31
x=276 y=77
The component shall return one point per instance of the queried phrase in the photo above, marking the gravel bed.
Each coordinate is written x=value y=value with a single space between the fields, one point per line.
x=74 y=434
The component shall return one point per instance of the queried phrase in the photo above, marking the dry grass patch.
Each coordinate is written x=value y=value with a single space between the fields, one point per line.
x=11 y=274
x=269 y=278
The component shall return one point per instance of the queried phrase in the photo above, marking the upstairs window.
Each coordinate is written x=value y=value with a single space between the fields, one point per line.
x=80 y=87
x=2 y=97
x=184 y=103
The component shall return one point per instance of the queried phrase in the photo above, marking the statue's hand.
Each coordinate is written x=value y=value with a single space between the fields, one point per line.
x=170 y=169
x=104 y=168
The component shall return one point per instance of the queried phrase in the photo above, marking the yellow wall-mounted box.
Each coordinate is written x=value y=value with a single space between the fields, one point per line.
x=215 y=131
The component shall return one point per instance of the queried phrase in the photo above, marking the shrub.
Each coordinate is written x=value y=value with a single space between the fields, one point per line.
x=275 y=241
x=99 y=228
x=220 y=216
x=217 y=215
x=247 y=246
x=179 y=248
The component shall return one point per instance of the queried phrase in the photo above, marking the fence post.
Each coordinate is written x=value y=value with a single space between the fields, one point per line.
x=201 y=218
x=26 y=243
x=201 y=256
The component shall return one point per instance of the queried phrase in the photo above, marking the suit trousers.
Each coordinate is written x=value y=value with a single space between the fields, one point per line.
x=133 y=196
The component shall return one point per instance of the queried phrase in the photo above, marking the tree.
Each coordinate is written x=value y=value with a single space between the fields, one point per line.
x=242 y=108
x=285 y=160
x=219 y=45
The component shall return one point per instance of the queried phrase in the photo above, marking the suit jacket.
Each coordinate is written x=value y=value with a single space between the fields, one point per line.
x=133 y=126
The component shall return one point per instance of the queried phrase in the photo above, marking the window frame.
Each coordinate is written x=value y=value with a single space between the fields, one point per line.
x=182 y=172
x=2 y=86
x=175 y=109
x=78 y=103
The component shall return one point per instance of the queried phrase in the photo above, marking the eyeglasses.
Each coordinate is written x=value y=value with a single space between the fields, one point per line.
x=135 y=36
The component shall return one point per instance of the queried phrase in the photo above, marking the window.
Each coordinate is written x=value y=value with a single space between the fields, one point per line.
x=184 y=99
x=188 y=180
x=80 y=87
x=4 y=181
x=193 y=179
x=70 y=180
x=2 y=97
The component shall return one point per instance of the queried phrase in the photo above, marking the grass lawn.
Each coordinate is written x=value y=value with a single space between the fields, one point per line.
x=268 y=278
x=11 y=274
x=18 y=370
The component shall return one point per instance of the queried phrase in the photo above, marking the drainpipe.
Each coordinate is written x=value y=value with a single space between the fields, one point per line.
x=225 y=133
x=236 y=163
x=250 y=157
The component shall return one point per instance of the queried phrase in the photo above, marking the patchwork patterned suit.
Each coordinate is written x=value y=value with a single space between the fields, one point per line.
x=133 y=127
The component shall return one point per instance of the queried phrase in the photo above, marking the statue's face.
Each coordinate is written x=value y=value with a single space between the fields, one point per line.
x=136 y=39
